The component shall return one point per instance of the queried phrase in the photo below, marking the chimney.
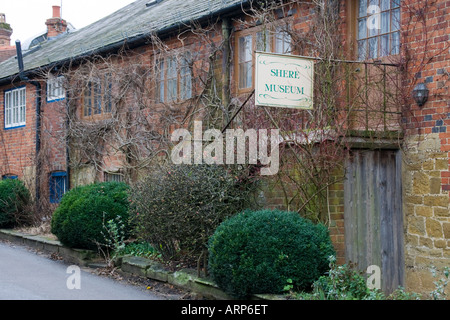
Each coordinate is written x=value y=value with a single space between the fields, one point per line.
x=56 y=25
x=5 y=32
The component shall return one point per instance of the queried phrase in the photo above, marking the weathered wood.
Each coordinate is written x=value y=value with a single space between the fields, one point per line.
x=373 y=214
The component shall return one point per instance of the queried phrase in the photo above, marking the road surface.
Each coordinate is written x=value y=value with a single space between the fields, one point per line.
x=26 y=275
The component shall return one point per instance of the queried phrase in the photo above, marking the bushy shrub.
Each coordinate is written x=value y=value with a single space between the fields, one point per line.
x=341 y=283
x=14 y=203
x=80 y=219
x=345 y=282
x=178 y=207
x=263 y=251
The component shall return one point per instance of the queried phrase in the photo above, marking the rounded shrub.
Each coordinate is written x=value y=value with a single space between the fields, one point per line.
x=80 y=219
x=263 y=251
x=14 y=203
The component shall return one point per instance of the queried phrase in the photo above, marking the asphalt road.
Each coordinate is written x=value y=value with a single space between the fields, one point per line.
x=26 y=275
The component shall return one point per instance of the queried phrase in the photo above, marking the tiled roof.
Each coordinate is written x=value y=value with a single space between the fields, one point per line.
x=133 y=21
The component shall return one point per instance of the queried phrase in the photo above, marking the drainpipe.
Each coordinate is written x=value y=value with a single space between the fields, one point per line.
x=67 y=143
x=37 y=84
x=226 y=31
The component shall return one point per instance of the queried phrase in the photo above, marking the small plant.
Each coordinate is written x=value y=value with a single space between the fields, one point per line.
x=402 y=294
x=115 y=235
x=289 y=286
x=441 y=284
x=341 y=283
x=140 y=249
x=344 y=282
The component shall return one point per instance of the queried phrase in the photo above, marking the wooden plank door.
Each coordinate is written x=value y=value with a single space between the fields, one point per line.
x=373 y=214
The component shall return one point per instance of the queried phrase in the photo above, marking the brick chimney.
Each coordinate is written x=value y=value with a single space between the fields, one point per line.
x=56 y=25
x=5 y=32
x=6 y=50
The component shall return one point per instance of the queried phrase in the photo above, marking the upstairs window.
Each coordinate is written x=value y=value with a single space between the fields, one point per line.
x=378 y=28
x=97 y=99
x=55 y=89
x=15 y=108
x=58 y=186
x=256 y=39
x=174 y=79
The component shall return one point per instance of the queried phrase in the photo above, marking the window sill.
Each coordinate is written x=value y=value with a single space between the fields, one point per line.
x=98 y=117
x=55 y=100
x=16 y=127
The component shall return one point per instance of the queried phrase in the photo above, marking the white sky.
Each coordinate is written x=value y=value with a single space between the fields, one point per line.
x=27 y=17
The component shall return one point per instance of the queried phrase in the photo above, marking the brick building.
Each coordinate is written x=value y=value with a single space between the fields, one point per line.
x=94 y=104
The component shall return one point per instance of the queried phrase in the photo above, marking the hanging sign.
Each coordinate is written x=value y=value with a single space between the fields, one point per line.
x=283 y=81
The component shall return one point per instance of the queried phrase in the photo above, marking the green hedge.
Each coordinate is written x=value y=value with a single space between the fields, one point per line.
x=14 y=203
x=80 y=219
x=263 y=251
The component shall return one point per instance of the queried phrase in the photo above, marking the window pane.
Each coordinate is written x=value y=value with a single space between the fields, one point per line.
x=87 y=100
x=50 y=90
x=362 y=49
x=171 y=90
x=395 y=43
x=7 y=108
x=172 y=81
x=282 y=42
x=385 y=22
x=395 y=3
x=384 y=5
x=395 y=20
x=245 y=59
x=97 y=98
x=186 y=79
x=362 y=29
x=107 y=94
x=15 y=105
x=160 y=82
x=57 y=186
x=263 y=41
x=22 y=106
x=362 y=8
x=113 y=177
x=245 y=75
x=373 y=23
x=245 y=48
x=384 y=45
x=373 y=47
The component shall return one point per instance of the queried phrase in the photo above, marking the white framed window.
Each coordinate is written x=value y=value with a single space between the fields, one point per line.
x=15 y=108
x=55 y=89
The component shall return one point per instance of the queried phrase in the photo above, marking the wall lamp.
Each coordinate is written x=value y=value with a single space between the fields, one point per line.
x=420 y=94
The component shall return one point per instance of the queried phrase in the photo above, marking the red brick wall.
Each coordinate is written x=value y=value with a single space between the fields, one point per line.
x=17 y=145
x=7 y=52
